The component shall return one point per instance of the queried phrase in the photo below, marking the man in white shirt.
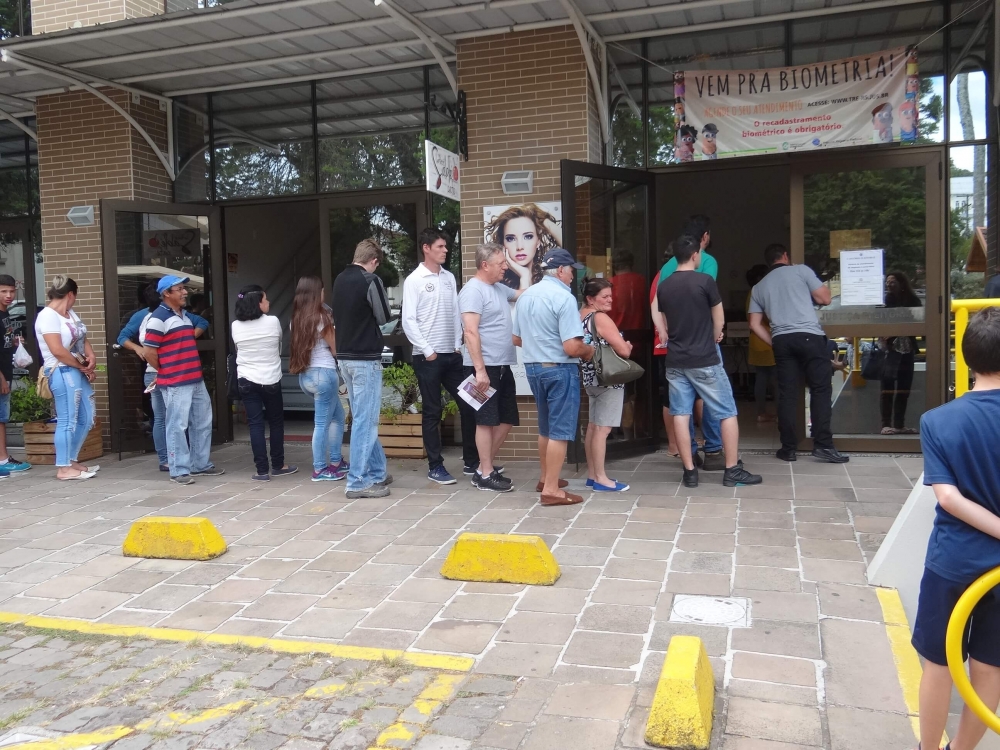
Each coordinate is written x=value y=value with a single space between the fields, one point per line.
x=433 y=325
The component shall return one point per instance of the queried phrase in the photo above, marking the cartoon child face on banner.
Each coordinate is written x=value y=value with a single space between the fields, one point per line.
x=882 y=124
x=526 y=233
x=686 y=137
x=908 y=121
x=708 y=144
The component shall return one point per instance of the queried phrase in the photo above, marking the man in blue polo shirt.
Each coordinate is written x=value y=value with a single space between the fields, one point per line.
x=171 y=350
x=547 y=327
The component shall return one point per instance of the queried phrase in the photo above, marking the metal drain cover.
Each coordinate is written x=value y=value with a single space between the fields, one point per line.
x=727 y=612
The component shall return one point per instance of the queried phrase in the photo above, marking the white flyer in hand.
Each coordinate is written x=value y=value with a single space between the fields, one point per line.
x=472 y=395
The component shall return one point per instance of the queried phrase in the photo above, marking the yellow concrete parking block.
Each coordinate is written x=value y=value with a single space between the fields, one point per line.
x=174 y=538
x=501 y=558
x=681 y=715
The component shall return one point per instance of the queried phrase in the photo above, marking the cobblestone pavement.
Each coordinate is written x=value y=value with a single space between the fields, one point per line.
x=578 y=661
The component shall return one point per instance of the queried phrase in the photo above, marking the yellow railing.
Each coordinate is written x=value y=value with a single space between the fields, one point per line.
x=953 y=641
x=962 y=308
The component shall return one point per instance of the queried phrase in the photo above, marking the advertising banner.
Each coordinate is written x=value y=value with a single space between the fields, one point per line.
x=851 y=102
x=442 y=172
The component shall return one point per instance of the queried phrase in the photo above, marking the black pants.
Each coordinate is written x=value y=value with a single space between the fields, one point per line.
x=262 y=401
x=806 y=355
x=896 y=390
x=444 y=371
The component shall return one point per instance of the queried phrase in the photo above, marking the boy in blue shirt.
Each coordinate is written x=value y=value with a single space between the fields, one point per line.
x=959 y=442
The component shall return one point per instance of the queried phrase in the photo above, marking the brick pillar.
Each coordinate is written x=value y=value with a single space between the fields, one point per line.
x=86 y=152
x=56 y=15
x=529 y=106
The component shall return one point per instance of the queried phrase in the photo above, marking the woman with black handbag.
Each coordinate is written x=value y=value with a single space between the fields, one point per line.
x=899 y=362
x=606 y=402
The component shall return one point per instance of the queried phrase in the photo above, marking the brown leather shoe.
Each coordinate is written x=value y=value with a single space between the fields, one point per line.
x=541 y=485
x=569 y=499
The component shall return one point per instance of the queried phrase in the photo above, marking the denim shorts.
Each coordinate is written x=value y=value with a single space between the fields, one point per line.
x=938 y=597
x=710 y=383
x=556 y=389
x=5 y=407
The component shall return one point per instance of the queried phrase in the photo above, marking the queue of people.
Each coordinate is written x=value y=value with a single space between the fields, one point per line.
x=463 y=341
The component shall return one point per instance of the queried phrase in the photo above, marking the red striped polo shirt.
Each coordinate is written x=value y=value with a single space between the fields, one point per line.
x=173 y=336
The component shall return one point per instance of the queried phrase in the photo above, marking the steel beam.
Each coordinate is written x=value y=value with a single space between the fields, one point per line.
x=430 y=38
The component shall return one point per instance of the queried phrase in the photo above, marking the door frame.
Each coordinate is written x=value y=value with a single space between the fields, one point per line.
x=569 y=170
x=934 y=327
x=22 y=227
x=218 y=345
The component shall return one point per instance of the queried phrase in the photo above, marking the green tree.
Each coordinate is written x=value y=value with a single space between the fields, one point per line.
x=15 y=18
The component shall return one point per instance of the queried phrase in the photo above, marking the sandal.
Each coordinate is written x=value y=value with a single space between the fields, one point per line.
x=889 y=431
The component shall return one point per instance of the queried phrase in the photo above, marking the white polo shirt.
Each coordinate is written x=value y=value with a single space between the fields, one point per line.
x=431 y=320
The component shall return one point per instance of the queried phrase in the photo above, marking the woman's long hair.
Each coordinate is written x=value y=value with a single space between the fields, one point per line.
x=308 y=315
x=905 y=297
x=495 y=230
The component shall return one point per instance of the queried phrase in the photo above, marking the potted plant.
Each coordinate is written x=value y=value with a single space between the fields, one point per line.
x=25 y=406
x=400 y=419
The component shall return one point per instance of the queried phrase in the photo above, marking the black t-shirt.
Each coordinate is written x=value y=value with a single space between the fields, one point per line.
x=687 y=299
x=7 y=345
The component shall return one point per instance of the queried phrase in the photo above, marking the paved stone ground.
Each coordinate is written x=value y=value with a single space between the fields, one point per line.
x=813 y=670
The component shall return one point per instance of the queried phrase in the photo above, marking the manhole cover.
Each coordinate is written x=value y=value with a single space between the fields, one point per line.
x=730 y=612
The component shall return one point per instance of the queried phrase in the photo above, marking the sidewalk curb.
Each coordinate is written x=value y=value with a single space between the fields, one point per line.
x=904 y=656
x=279 y=645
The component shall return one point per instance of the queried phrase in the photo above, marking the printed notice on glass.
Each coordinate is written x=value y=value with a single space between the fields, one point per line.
x=471 y=395
x=862 y=279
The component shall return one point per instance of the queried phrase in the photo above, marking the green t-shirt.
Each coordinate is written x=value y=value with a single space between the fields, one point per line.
x=708 y=265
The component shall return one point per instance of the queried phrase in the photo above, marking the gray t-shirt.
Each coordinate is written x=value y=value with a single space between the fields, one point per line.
x=496 y=329
x=785 y=297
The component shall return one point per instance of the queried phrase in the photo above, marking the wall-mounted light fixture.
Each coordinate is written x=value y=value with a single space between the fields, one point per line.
x=81 y=216
x=518 y=183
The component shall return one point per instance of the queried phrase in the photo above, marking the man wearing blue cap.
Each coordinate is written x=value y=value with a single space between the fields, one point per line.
x=547 y=327
x=171 y=350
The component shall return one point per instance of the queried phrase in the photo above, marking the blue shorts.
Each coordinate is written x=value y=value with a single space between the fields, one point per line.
x=710 y=383
x=556 y=389
x=4 y=408
x=938 y=597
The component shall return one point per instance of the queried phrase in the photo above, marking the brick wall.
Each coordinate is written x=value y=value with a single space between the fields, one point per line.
x=529 y=106
x=88 y=152
x=56 y=15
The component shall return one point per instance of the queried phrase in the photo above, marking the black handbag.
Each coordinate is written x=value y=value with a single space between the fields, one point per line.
x=873 y=363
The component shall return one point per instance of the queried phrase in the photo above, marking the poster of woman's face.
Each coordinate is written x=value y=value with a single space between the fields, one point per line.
x=526 y=231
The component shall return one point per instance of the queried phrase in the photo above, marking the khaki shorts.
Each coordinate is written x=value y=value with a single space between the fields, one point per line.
x=606 y=405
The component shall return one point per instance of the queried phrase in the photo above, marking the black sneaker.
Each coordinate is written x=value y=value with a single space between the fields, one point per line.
x=375 y=490
x=714 y=461
x=212 y=471
x=830 y=455
x=691 y=477
x=182 y=479
x=470 y=470
x=737 y=476
x=493 y=483
x=787 y=454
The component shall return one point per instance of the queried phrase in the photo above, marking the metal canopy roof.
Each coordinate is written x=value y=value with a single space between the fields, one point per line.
x=254 y=43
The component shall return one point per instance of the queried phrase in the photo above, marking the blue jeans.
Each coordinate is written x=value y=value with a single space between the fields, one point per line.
x=159 y=423
x=328 y=431
x=364 y=389
x=711 y=430
x=556 y=389
x=74 y=401
x=188 y=428
x=711 y=383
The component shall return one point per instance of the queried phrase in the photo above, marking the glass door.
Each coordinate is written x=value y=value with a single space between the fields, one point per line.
x=143 y=242
x=872 y=228
x=19 y=259
x=393 y=219
x=608 y=224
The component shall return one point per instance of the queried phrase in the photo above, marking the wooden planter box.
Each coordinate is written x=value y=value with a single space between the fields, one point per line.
x=402 y=436
x=41 y=449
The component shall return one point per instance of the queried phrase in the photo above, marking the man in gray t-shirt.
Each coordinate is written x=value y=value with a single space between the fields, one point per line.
x=485 y=304
x=787 y=295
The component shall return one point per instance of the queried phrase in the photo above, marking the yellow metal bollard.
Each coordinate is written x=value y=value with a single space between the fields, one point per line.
x=953 y=643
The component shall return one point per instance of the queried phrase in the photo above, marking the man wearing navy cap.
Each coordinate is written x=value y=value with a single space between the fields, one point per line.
x=547 y=327
x=170 y=347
